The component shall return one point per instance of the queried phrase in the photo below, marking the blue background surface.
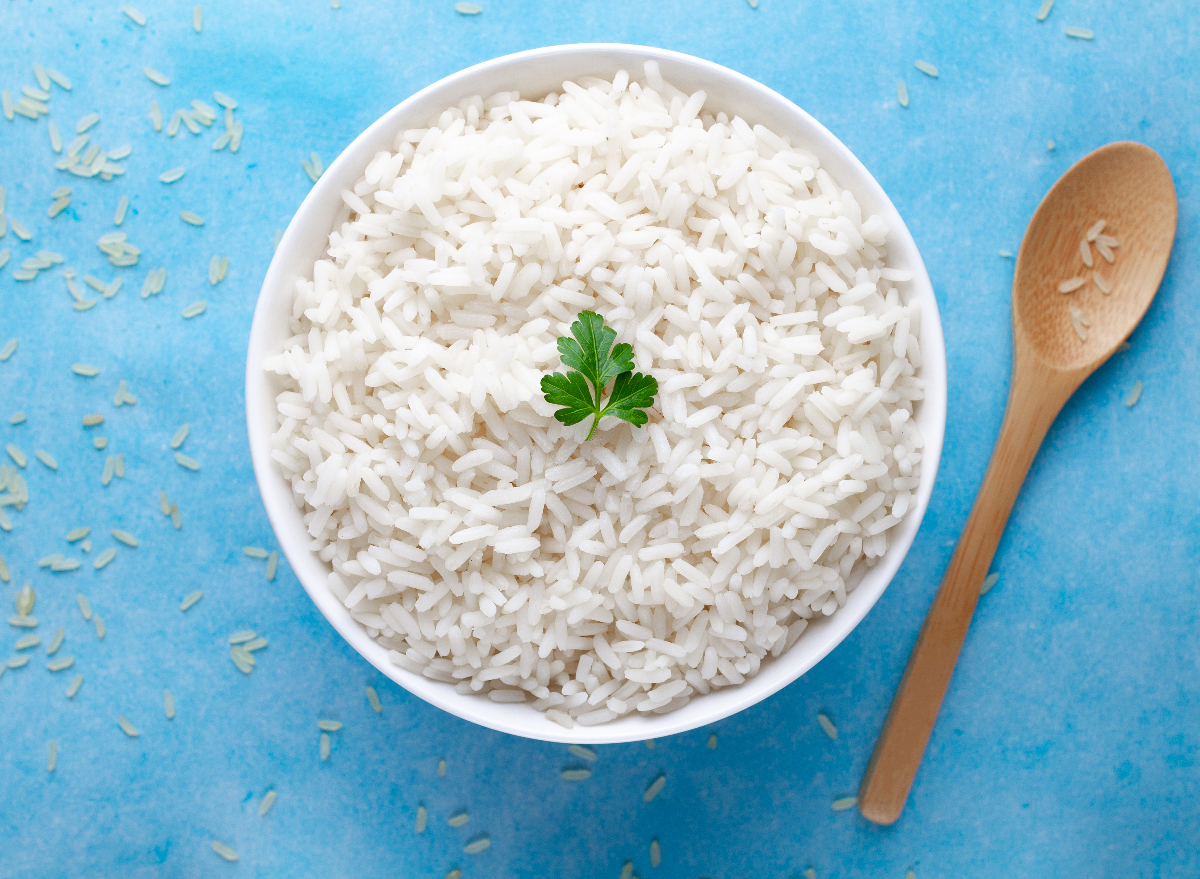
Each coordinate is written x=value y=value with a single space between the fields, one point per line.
x=1069 y=741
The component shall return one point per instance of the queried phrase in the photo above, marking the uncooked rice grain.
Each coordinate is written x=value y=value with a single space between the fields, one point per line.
x=224 y=851
x=844 y=803
x=631 y=573
x=74 y=686
x=827 y=725
x=268 y=799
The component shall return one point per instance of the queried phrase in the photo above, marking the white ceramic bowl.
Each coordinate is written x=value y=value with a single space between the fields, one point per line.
x=536 y=73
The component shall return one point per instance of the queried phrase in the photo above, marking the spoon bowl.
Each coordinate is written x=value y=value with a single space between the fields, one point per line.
x=1077 y=294
x=1129 y=187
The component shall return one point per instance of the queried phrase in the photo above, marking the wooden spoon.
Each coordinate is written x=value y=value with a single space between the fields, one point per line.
x=1128 y=186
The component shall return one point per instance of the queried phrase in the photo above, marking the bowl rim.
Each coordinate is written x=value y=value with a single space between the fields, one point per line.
x=526 y=721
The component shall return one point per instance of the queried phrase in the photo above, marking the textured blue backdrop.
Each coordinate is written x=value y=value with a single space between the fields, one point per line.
x=1069 y=740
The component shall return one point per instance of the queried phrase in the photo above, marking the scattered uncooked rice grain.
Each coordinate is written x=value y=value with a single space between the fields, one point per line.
x=198 y=25
x=224 y=851
x=61 y=664
x=272 y=563
x=841 y=805
x=655 y=853
x=7 y=351
x=99 y=624
x=124 y=537
x=269 y=797
x=926 y=68
x=1134 y=394
x=179 y=437
x=168 y=704
x=422 y=819
x=458 y=819
x=16 y=454
x=576 y=774
x=1044 y=10
x=583 y=753
x=329 y=725
x=128 y=728
x=989 y=581
x=242 y=636
x=655 y=787
x=1071 y=285
x=172 y=175
x=781 y=450
x=26 y=642
x=58 y=79
x=74 y=686
x=627 y=870
x=1085 y=253
x=184 y=461
x=467 y=8
x=827 y=725
x=85 y=606
x=1079 y=322
x=243 y=660
x=105 y=557
x=441 y=769
x=191 y=599
x=195 y=309
x=325 y=746
x=1102 y=283
x=93 y=420
x=155 y=77
x=52 y=757
x=254 y=552
x=373 y=698
x=1079 y=33
x=18 y=661
x=477 y=845
x=135 y=15
x=191 y=219
x=85 y=369
x=85 y=123
x=902 y=93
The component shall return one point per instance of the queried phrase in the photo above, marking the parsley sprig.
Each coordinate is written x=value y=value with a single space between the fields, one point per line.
x=595 y=361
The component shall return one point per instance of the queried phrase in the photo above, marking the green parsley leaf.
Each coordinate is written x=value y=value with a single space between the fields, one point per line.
x=594 y=361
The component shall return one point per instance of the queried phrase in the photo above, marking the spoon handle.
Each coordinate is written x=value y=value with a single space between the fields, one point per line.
x=1035 y=398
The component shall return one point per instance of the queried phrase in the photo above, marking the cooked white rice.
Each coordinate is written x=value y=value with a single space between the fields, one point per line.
x=484 y=543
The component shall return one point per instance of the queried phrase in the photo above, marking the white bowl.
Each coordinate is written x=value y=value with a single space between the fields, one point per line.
x=536 y=73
